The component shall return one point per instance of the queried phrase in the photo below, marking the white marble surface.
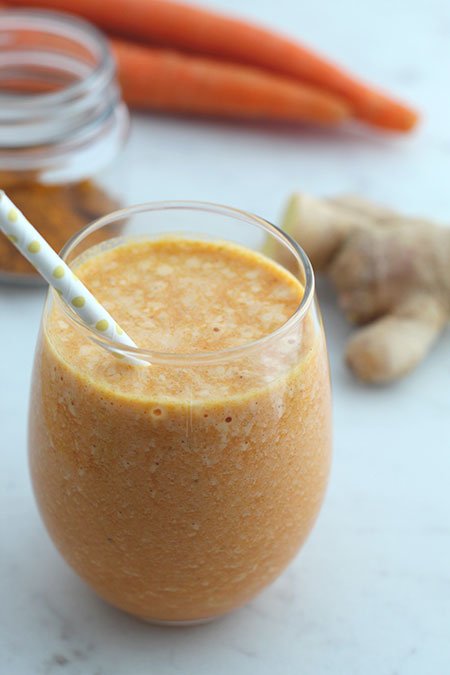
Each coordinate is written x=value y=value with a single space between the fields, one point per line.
x=370 y=593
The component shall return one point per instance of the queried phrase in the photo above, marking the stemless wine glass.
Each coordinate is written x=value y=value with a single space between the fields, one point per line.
x=180 y=505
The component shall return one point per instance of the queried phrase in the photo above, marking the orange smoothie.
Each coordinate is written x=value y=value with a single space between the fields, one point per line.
x=181 y=489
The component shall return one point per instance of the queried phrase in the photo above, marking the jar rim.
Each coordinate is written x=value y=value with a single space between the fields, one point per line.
x=206 y=357
x=50 y=18
x=52 y=117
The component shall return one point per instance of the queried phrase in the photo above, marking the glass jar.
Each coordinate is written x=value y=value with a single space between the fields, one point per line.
x=179 y=490
x=62 y=126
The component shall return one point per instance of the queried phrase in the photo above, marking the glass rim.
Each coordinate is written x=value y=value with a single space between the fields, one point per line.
x=206 y=357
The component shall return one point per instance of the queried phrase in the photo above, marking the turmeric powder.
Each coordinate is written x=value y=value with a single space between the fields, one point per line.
x=390 y=273
x=57 y=211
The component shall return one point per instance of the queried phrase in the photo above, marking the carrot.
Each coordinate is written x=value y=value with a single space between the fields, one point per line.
x=161 y=79
x=205 y=32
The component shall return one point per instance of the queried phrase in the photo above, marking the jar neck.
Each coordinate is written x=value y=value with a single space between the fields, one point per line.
x=58 y=89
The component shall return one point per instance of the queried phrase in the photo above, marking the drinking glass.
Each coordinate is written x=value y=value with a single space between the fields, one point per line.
x=181 y=506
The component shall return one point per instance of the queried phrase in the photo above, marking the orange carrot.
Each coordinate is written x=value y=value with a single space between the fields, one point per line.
x=206 y=32
x=161 y=79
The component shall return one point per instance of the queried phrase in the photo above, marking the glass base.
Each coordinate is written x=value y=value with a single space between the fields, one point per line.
x=175 y=624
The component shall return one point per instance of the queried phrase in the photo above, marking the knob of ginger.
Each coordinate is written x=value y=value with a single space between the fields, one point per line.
x=391 y=274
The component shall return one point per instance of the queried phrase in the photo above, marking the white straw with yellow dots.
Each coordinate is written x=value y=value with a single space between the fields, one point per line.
x=59 y=275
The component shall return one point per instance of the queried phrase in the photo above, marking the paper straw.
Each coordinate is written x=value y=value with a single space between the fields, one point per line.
x=59 y=275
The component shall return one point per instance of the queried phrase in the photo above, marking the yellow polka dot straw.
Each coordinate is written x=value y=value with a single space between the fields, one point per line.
x=59 y=275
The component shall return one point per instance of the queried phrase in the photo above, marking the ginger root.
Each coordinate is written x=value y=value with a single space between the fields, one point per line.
x=391 y=274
